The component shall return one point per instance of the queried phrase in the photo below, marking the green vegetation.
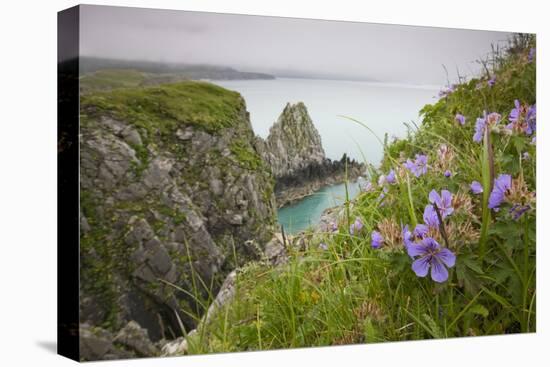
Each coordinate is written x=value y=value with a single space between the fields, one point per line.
x=353 y=287
x=162 y=109
x=111 y=79
x=245 y=154
x=99 y=257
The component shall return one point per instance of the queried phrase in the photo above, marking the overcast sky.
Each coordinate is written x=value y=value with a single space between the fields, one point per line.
x=281 y=45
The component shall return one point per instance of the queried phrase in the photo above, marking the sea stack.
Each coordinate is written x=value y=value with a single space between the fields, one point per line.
x=295 y=154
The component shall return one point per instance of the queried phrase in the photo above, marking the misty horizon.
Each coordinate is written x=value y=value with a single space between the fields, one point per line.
x=286 y=47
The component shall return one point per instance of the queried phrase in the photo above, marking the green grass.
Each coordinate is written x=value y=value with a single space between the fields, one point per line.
x=245 y=154
x=111 y=79
x=352 y=293
x=162 y=109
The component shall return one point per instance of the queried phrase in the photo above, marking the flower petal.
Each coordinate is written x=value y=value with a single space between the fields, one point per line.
x=446 y=198
x=430 y=216
x=430 y=244
x=377 y=240
x=421 y=266
x=434 y=197
x=439 y=271
x=476 y=187
x=421 y=230
x=496 y=198
x=503 y=182
x=416 y=249
x=446 y=257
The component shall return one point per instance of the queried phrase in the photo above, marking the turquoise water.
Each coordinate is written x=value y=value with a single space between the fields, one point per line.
x=307 y=212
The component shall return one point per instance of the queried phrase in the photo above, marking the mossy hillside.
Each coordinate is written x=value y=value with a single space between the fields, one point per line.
x=162 y=109
x=111 y=79
x=354 y=293
x=158 y=112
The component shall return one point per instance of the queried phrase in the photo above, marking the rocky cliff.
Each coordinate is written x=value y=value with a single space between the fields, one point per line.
x=294 y=152
x=174 y=195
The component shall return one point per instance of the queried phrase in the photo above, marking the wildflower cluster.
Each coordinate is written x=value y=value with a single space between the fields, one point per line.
x=445 y=160
x=445 y=92
x=419 y=166
x=485 y=122
x=522 y=120
x=514 y=192
x=431 y=253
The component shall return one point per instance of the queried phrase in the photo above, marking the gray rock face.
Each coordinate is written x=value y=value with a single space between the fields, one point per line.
x=136 y=339
x=295 y=154
x=293 y=143
x=131 y=341
x=162 y=214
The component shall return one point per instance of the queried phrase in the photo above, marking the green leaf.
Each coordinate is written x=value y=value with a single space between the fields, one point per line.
x=435 y=330
x=429 y=328
x=478 y=309
x=471 y=264
x=519 y=142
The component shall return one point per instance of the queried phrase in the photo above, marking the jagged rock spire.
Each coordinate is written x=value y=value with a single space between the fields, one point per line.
x=293 y=142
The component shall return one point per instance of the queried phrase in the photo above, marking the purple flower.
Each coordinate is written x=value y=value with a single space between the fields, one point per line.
x=444 y=202
x=491 y=81
x=532 y=53
x=364 y=185
x=323 y=246
x=447 y=173
x=382 y=195
x=515 y=113
x=518 y=210
x=502 y=184
x=408 y=237
x=333 y=227
x=377 y=240
x=481 y=124
x=409 y=165
x=531 y=118
x=419 y=166
x=430 y=217
x=477 y=188
x=534 y=140
x=447 y=90
x=460 y=119
x=356 y=226
x=421 y=230
x=431 y=255
x=390 y=178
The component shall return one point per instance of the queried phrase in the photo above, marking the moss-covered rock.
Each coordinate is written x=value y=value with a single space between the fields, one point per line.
x=173 y=192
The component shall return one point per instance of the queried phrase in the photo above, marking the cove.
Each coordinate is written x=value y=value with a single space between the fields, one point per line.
x=307 y=212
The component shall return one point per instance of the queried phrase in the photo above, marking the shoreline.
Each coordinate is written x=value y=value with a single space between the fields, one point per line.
x=309 y=191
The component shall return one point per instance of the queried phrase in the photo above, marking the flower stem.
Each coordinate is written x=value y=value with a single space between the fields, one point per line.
x=411 y=205
x=487 y=179
x=524 y=311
